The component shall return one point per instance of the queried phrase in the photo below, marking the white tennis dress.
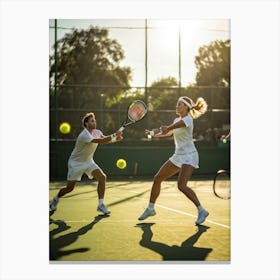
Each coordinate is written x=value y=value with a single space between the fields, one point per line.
x=185 y=150
x=81 y=159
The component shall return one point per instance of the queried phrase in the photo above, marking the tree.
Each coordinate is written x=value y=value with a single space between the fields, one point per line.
x=213 y=64
x=91 y=60
x=163 y=93
x=213 y=83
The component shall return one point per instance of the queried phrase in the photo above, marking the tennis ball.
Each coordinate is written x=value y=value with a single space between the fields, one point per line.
x=65 y=128
x=121 y=163
x=224 y=141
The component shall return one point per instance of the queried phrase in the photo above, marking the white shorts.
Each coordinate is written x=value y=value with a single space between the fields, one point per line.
x=77 y=169
x=189 y=158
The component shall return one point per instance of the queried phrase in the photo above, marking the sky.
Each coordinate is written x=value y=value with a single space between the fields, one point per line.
x=163 y=43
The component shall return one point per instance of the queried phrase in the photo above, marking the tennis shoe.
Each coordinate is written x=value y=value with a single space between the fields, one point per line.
x=201 y=216
x=147 y=213
x=53 y=203
x=102 y=208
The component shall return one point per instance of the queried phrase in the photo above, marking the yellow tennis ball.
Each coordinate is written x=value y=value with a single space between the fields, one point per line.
x=65 y=128
x=121 y=163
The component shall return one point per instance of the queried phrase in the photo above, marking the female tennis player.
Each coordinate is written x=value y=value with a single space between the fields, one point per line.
x=81 y=161
x=185 y=158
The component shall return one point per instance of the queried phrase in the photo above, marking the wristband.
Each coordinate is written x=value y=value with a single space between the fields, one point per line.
x=113 y=137
x=152 y=133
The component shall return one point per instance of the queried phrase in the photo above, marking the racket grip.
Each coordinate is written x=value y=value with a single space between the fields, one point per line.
x=121 y=129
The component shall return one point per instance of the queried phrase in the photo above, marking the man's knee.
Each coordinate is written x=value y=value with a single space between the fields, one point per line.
x=70 y=188
x=103 y=177
x=181 y=187
x=158 y=178
x=100 y=176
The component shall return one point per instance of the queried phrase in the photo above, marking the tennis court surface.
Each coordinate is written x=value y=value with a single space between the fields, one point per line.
x=79 y=233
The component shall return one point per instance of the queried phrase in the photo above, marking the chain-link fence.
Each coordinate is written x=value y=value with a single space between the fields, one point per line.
x=69 y=101
x=216 y=120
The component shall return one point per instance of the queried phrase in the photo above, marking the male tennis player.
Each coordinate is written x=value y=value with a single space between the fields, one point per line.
x=81 y=161
x=185 y=158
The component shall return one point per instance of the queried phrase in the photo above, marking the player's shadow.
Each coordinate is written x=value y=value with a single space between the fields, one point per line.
x=187 y=251
x=57 y=244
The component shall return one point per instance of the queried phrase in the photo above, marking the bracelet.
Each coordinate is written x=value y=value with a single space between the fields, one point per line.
x=113 y=137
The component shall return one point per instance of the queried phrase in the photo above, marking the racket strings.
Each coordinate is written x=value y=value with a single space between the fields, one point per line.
x=136 y=112
x=222 y=185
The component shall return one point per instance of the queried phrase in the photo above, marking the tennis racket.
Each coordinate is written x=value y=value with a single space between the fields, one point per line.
x=221 y=185
x=136 y=111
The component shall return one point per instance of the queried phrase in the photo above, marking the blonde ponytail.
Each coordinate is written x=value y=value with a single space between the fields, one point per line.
x=196 y=109
x=199 y=108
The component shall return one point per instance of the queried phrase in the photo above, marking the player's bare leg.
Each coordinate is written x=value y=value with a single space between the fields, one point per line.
x=183 y=178
x=100 y=176
x=167 y=170
x=69 y=188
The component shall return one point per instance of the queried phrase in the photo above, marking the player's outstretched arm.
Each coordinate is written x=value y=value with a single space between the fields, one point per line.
x=165 y=129
x=157 y=132
x=115 y=137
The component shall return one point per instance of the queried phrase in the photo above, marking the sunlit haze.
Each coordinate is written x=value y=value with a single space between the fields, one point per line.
x=162 y=47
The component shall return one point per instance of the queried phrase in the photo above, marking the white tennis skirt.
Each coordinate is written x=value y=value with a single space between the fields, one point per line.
x=191 y=158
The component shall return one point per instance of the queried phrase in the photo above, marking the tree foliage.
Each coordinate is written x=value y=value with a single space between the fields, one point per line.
x=91 y=60
x=163 y=93
x=89 y=77
x=213 y=64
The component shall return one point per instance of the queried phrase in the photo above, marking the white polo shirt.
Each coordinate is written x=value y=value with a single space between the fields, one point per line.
x=84 y=149
x=183 y=136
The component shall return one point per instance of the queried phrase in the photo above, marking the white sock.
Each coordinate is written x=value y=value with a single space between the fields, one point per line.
x=151 y=206
x=100 y=201
x=199 y=208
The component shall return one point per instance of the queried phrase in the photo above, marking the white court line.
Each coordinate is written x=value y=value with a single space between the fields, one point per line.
x=112 y=222
x=167 y=208
x=188 y=214
x=135 y=220
x=185 y=213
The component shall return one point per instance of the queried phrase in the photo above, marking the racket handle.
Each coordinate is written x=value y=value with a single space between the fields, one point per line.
x=121 y=129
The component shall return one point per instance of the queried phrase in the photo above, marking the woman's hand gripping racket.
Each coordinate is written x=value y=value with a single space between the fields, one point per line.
x=136 y=111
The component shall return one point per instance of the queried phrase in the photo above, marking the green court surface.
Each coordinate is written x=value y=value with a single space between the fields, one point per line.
x=79 y=233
